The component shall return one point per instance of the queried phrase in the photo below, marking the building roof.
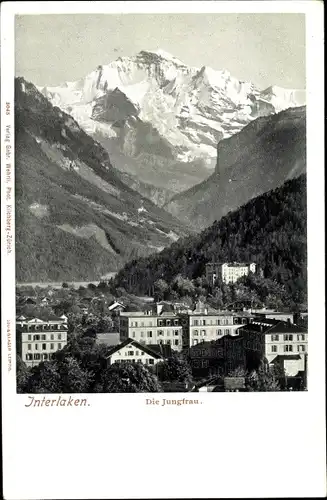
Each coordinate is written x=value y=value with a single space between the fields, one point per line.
x=136 y=344
x=281 y=357
x=114 y=305
x=50 y=317
x=163 y=349
x=268 y=326
x=109 y=338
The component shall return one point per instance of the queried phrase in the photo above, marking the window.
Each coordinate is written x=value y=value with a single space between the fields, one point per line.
x=176 y=342
x=29 y=357
x=204 y=322
x=219 y=332
x=301 y=337
x=150 y=323
x=59 y=336
x=142 y=334
x=160 y=332
x=301 y=348
x=203 y=333
x=168 y=333
x=51 y=346
x=147 y=361
x=59 y=346
x=37 y=356
x=160 y=322
x=149 y=334
x=196 y=332
x=273 y=348
x=44 y=346
x=29 y=347
x=43 y=337
x=218 y=321
x=176 y=322
x=36 y=337
x=133 y=334
x=168 y=322
x=195 y=341
x=52 y=336
x=275 y=338
x=227 y=331
x=130 y=353
x=288 y=348
x=195 y=322
x=169 y=342
x=142 y=323
x=176 y=332
x=36 y=347
x=160 y=341
x=45 y=356
x=137 y=353
x=29 y=337
x=135 y=324
x=288 y=337
x=142 y=353
x=151 y=361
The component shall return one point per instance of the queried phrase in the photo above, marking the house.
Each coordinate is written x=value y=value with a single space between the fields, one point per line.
x=207 y=324
x=37 y=339
x=132 y=351
x=270 y=338
x=162 y=323
x=228 y=272
x=158 y=324
x=116 y=306
x=110 y=338
x=216 y=357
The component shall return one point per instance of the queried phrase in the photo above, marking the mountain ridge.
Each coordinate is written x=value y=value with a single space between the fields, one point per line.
x=76 y=218
x=157 y=110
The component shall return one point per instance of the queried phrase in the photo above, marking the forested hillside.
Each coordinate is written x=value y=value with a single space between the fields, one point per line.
x=269 y=230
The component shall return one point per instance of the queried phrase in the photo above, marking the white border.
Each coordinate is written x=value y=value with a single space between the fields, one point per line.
x=245 y=445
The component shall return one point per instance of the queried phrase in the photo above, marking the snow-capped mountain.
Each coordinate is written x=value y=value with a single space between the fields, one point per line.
x=154 y=108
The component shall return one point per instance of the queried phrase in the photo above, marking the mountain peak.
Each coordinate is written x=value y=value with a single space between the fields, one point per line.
x=162 y=54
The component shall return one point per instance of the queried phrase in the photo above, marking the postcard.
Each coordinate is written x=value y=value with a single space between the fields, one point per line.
x=162 y=249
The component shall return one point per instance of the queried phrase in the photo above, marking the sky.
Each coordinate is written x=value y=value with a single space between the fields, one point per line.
x=266 y=49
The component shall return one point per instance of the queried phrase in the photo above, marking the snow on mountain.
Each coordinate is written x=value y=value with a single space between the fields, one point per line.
x=191 y=109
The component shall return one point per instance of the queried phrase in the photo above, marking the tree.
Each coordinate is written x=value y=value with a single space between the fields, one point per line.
x=174 y=369
x=129 y=377
x=22 y=375
x=65 y=285
x=261 y=380
x=160 y=289
x=63 y=375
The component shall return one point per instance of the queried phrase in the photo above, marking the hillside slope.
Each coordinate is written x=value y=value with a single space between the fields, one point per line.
x=75 y=218
x=262 y=156
x=269 y=230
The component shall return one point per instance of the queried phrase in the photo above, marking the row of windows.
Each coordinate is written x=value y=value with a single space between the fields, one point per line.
x=38 y=357
x=204 y=332
x=161 y=322
x=43 y=347
x=288 y=337
x=207 y=322
x=33 y=328
x=147 y=361
x=288 y=348
x=43 y=337
x=160 y=333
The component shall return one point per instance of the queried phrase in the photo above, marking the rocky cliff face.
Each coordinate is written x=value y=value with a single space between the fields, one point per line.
x=266 y=153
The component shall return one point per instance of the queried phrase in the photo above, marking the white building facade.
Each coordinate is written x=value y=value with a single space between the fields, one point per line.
x=39 y=339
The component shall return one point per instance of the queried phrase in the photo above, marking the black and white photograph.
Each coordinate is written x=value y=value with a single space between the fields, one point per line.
x=156 y=210
x=161 y=203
